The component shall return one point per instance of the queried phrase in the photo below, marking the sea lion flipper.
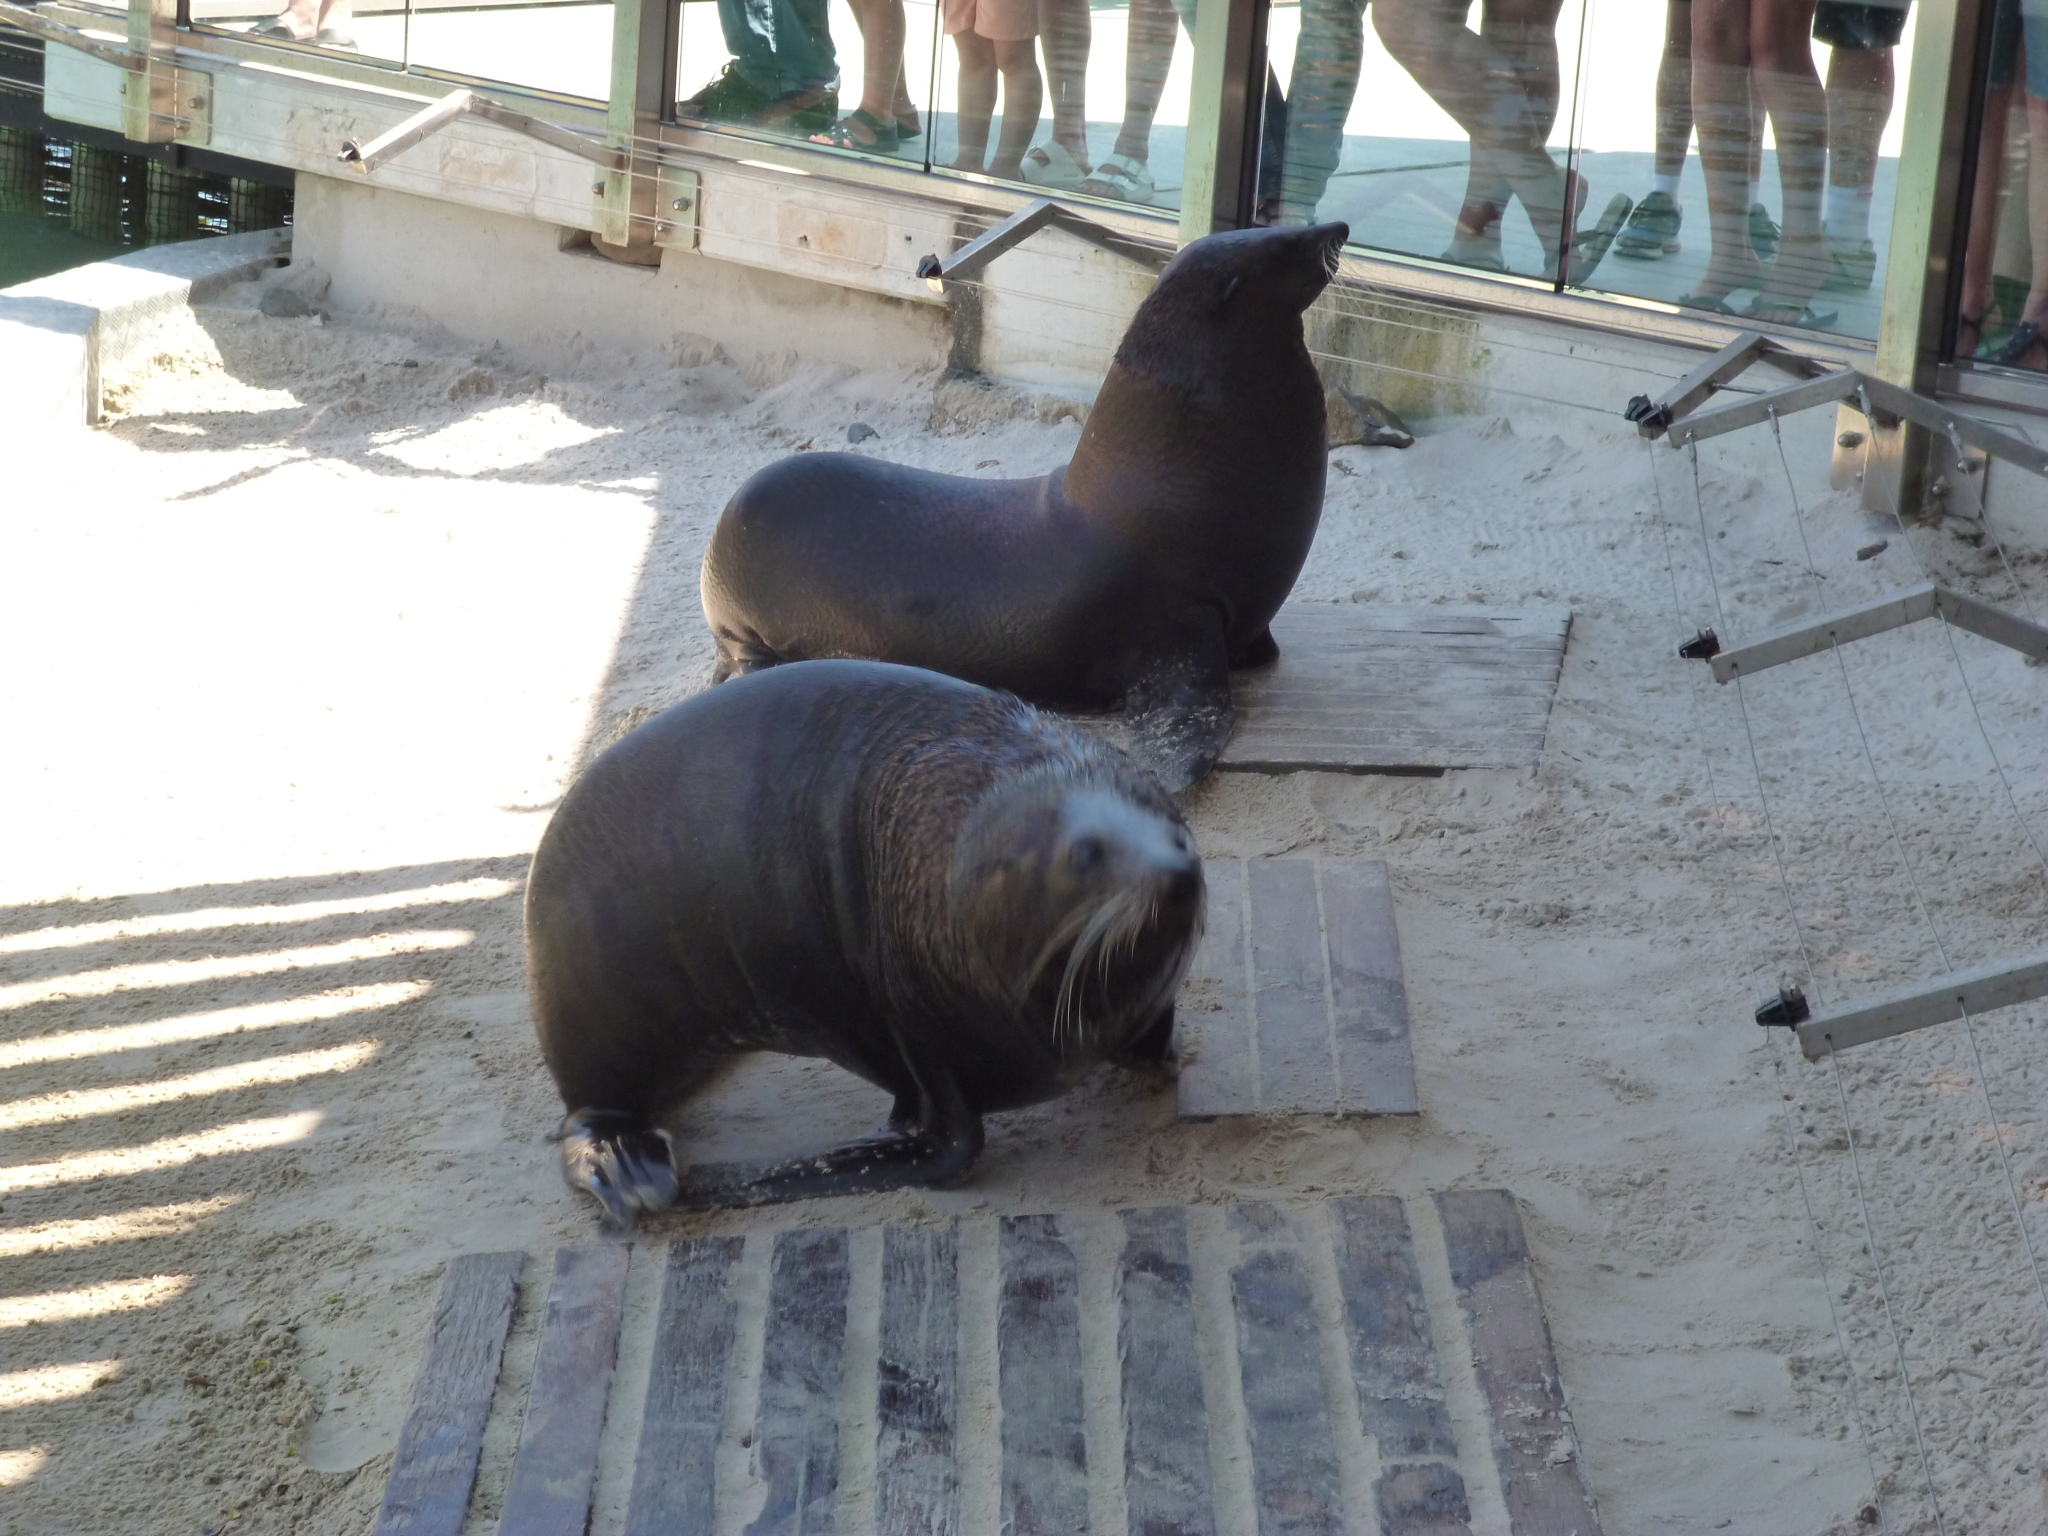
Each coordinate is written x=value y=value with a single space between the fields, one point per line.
x=1153 y=1048
x=1260 y=652
x=935 y=1151
x=619 y=1160
x=1180 y=721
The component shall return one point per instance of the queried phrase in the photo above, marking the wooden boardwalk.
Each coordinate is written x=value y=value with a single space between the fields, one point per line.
x=1386 y=688
x=1364 y=1363
x=1295 y=1003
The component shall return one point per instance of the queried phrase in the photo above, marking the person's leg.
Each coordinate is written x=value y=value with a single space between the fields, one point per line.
x=976 y=102
x=1327 y=59
x=1023 y=95
x=1721 y=113
x=1652 y=232
x=1979 y=250
x=872 y=124
x=1149 y=38
x=1065 y=31
x=1781 y=54
x=1859 y=96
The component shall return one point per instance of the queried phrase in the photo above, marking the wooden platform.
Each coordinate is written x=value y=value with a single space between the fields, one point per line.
x=1361 y=1364
x=1295 y=1004
x=1384 y=688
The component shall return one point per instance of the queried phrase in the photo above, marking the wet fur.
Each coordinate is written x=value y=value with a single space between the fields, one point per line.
x=847 y=860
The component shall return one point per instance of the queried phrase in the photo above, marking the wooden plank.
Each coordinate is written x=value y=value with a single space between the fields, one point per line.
x=1393 y=1358
x=1368 y=995
x=434 y=1467
x=1295 y=1486
x=796 y=1428
x=1167 y=1485
x=1297 y=1068
x=1213 y=1017
x=1533 y=1443
x=1315 y=1019
x=1038 y=1354
x=918 y=1383
x=674 y=1482
x=555 y=1468
x=1423 y=1499
x=1364 y=687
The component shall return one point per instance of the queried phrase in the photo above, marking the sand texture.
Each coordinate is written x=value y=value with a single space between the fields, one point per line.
x=303 y=649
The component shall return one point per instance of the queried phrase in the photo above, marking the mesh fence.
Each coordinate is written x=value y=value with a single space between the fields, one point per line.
x=129 y=200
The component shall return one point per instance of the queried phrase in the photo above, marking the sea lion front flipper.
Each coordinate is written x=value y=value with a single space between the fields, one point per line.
x=934 y=1151
x=1153 y=1048
x=1180 y=718
x=1261 y=651
x=619 y=1160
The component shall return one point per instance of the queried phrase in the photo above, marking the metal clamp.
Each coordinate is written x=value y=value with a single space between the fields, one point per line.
x=1027 y=221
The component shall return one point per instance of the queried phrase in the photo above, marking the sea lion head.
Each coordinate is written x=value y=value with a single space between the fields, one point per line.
x=1080 y=893
x=1228 y=301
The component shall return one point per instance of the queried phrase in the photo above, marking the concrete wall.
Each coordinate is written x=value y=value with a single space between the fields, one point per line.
x=496 y=277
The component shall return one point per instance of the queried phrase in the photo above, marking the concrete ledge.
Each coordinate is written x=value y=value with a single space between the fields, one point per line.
x=60 y=334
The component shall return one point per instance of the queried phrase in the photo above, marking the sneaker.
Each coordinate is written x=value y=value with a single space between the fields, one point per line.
x=1120 y=177
x=726 y=99
x=1855 y=266
x=1652 y=230
x=1763 y=234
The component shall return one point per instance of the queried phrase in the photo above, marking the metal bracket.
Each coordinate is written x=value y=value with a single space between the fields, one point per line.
x=1027 y=221
x=1998 y=984
x=676 y=194
x=1922 y=601
x=366 y=157
x=1654 y=417
x=166 y=104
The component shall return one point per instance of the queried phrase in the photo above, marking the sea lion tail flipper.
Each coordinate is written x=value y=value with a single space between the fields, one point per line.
x=1180 y=721
x=936 y=1152
x=1260 y=652
x=620 y=1161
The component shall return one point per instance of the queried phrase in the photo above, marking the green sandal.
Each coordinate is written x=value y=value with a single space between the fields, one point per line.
x=887 y=135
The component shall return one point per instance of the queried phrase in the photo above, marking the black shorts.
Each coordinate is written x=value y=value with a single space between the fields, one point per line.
x=1842 y=24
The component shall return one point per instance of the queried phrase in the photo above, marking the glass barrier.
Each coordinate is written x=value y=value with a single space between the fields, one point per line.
x=2002 y=299
x=1076 y=98
x=542 y=44
x=1524 y=136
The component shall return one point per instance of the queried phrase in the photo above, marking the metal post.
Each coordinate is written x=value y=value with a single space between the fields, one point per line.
x=1224 y=102
x=1928 y=221
x=644 y=40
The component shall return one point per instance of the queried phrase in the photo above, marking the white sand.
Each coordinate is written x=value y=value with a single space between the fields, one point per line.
x=310 y=626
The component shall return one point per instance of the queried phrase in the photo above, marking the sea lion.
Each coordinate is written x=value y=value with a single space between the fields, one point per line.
x=1137 y=576
x=931 y=884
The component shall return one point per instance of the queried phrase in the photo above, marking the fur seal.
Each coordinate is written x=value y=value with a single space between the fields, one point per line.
x=926 y=882
x=1137 y=576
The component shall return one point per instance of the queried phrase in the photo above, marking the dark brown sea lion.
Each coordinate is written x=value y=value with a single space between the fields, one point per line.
x=931 y=884
x=1137 y=576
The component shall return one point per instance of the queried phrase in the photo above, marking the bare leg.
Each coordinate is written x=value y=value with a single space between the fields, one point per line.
x=1064 y=29
x=977 y=103
x=881 y=36
x=1023 y=95
x=2035 y=311
x=1976 y=288
x=1149 y=54
x=1782 y=58
x=1674 y=90
x=1721 y=110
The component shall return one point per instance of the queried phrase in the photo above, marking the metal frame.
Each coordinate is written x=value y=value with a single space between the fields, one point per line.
x=1893 y=611
x=1999 y=984
x=366 y=157
x=1040 y=214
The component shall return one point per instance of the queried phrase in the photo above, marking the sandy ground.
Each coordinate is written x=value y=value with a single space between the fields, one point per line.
x=304 y=648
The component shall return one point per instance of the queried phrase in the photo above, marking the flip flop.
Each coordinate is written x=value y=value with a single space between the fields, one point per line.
x=1708 y=302
x=841 y=135
x=908 y=126
x=1052 y=165
x=2025 y=337
x=1120 y=177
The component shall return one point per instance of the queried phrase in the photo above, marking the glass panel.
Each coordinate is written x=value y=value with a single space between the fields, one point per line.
x=564 y=48
x=850 y=74
x=1433 y=127
x=375 y=29
x=1093 y=96
x=2002 y=307
x=1783 y=213
x=1454 y=131
x=548 y=47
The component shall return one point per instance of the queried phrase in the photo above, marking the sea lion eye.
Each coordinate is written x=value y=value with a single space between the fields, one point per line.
x=1085 y=853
